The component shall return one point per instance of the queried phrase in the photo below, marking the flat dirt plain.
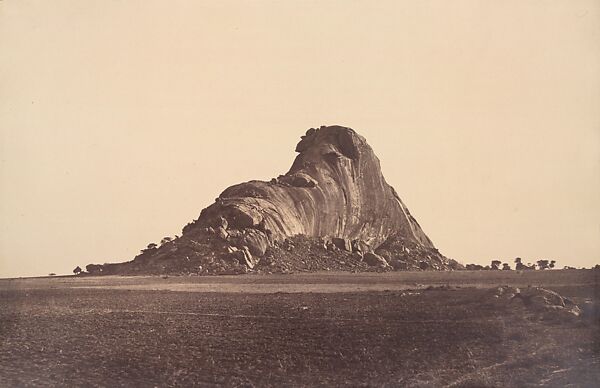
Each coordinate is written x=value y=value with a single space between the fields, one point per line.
x=406 y=329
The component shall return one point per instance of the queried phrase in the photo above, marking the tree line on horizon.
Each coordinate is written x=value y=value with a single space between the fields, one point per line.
x=541 y=264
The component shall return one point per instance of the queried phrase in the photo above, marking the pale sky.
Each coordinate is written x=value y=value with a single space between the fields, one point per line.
x=121 y=120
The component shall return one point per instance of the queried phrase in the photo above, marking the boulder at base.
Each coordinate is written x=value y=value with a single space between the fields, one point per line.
x=375 y=260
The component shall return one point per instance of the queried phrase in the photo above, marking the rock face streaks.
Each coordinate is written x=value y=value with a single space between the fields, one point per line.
x=334 y=188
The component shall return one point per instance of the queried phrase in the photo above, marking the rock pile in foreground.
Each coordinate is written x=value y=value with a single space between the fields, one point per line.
x=542 y=303
x=332 y=210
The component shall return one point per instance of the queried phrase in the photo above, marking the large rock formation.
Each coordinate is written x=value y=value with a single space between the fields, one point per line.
x=334 y=193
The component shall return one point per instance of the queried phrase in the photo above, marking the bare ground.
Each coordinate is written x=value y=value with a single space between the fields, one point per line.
x=325 y=329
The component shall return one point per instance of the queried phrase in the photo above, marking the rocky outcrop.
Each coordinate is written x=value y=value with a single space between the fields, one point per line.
x=334 y=191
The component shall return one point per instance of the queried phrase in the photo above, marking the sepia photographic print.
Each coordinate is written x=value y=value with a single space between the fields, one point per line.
x=299 y=193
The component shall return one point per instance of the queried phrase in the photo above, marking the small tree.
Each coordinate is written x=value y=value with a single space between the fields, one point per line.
x=552 y=264
x=496 y=264
x=519 y=264
x=93 y=268
x=150 y=247
x=165 y=240
x=505 y=267
x=77 y=270
x=542 y=264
